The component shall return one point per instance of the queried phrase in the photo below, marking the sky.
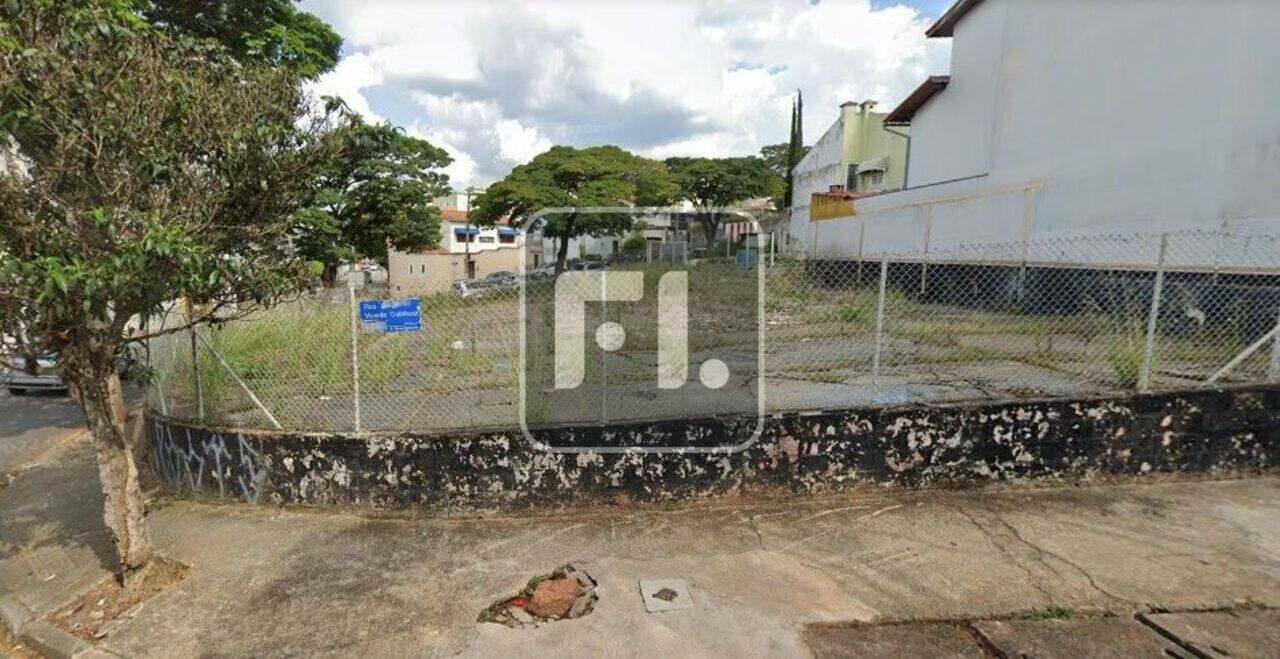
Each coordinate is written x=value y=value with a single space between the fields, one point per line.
x=497 y=82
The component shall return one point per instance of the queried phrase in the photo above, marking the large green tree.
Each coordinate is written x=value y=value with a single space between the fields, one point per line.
x=140 y=171
x=375 y=191
x=271 y=32
x=776 y=156
x=710 y=183
x=566 y=177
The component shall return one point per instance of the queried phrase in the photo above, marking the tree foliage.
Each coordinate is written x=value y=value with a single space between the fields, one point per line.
x=141 y=171
x=795 y=148
x=775 y=156
x=566 y=177
x=271 y=32
x=375 y=190
x=720 y=182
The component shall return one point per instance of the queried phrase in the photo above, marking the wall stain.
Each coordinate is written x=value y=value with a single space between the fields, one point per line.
x=1221 y=430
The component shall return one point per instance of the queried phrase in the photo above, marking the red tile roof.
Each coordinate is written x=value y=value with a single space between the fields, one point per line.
x=454 y=215
x=901 y=115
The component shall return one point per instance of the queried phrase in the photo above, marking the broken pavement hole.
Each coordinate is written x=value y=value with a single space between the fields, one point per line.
x=107 y=606
x=564 y=594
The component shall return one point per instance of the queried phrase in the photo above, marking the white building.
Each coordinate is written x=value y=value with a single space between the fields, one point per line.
x=1083 y=117
x=465 y=251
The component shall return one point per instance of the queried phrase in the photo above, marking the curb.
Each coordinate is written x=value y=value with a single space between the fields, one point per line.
x=49 y=640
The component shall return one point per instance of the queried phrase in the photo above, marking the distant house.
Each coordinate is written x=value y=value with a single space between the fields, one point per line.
x=856 y=154
x=465 y=252
x=1065 y=119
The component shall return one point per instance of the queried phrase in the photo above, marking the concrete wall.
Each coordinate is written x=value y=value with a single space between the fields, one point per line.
x=1089 y=117
x=1216 y=431
x=435 y=272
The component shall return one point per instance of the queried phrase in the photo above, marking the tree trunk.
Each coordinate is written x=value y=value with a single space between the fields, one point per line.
x=124 y=508
x=710 y=226
x=562 y=253
x=330 y=275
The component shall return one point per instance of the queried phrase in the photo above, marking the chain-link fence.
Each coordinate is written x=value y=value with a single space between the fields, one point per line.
x=1057 y=318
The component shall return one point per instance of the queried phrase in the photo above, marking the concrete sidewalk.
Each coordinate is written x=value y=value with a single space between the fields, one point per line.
x=270 y=581
x=285 y=581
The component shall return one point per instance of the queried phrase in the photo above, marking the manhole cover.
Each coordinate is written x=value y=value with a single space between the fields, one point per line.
x=665 y=595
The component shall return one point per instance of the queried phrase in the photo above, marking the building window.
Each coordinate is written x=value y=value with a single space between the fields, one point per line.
x=851 y=178
x=871 y=179
x=486 y=239
x=507 y=238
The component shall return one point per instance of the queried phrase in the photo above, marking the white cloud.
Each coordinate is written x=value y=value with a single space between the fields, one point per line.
x=520 y=143
x=496 y=83
x=348 y=80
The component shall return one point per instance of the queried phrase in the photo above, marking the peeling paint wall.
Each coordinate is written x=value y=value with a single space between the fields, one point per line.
x=1206 y=431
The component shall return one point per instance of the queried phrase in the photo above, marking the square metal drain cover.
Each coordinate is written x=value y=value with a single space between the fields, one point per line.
x=665 y=595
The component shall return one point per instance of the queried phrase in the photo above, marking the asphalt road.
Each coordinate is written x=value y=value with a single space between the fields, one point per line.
x=27 y=422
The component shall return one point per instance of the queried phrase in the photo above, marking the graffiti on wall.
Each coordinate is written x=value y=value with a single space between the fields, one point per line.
x=228 y=464
x=1204 y=431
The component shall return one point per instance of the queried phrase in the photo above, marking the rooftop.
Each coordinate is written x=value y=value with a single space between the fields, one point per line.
x=902 y=115
x=946 y=24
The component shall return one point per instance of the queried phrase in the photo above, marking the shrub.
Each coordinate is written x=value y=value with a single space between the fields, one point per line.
x=1125 y=352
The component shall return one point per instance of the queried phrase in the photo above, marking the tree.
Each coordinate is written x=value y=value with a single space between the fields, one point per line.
x=719 y=182
x=795 y=148
x=375 y=191
x=776 y=156
x=270 y=32
x=149 y=171
x=565 y=177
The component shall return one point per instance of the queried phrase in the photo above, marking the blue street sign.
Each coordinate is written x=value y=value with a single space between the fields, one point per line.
x=391 y=315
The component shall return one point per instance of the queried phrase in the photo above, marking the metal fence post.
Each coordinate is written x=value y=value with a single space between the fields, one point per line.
x=884 y=277
x=1153 y=318
x=253 y=398
x=355 y=355
x=1273 y=369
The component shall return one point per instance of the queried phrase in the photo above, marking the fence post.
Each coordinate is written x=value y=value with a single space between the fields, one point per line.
x=1273 y=369
x=884 y=277
x=1153 y=318
x=253 y=398
x=355 y=355
x=189 y=315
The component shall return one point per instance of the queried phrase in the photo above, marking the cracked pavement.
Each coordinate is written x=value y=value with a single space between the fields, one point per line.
x=293 y=581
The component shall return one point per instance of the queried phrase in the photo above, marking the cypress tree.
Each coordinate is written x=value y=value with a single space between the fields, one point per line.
x=795 y=145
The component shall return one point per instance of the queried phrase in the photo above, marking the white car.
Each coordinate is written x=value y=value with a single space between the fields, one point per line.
x=20 y=376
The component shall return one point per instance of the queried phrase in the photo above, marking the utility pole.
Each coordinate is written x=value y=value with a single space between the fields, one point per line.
x=466 y=266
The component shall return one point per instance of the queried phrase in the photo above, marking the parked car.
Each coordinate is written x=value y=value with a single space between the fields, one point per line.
x=502 y=278
x=542 y=273
x=20 y=376
x=472 y=288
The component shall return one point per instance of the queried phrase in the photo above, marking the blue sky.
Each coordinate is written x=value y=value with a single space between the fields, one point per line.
x=928 y=7
x=496 y=82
